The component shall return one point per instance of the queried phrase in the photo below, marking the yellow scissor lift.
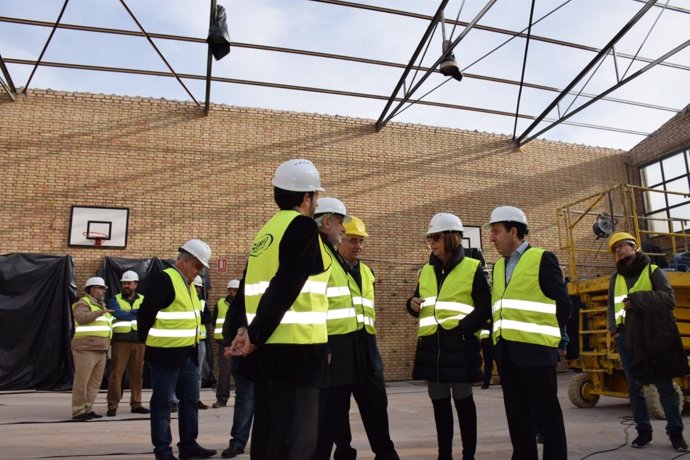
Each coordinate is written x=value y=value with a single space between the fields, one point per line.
x=583 y=228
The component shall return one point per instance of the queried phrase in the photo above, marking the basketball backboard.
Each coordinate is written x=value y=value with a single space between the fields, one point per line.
x=472 y=237
x=98 y=227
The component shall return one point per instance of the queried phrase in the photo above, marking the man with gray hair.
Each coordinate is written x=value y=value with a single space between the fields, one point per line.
x=169 y=324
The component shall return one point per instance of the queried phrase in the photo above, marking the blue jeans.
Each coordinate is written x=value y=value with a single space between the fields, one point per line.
x=667 y=394
x=166 y=382
x=244 y=408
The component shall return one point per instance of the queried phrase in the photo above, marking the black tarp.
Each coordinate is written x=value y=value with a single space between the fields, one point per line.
x=36 y=291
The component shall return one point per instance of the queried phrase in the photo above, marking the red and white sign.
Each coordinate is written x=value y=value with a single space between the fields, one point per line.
x=222 y=265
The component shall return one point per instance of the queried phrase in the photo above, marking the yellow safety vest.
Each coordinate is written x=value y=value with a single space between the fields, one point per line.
x=305 y=321
x=365 y=297
x=521 y=311
x=100 y=327
x=344 y=316
x=177 y=325
x=454 y=302
x=124 y=326
x=643 y=283
x=201 y=306
x=222 y=309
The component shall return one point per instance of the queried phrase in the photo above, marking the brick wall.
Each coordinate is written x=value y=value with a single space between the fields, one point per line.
x=185 y=175
x=673 y=135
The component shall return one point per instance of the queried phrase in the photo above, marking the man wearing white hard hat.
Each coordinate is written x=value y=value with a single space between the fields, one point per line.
x=218 y=319
x=355 y=364
x=128 y=351
x=92 y=332
x=531 y=308
x=169 y=323
x=279 y=320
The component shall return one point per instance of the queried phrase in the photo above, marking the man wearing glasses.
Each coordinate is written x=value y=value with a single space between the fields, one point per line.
x=169 y=324
x=356 y=368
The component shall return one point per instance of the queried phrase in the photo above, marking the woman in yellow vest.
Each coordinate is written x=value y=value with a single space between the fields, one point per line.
x=91 y=342
x=638 y=287
x=452 y=287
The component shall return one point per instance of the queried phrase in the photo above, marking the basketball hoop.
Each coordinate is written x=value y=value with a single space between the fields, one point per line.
x=96 y=237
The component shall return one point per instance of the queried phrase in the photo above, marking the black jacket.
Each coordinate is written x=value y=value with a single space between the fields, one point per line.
x=552 y=284
x=451 y=355
x=302 y=365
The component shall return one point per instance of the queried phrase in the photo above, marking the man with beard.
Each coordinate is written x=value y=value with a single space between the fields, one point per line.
x=92 y=331
x=128 y=351
x=638 y=290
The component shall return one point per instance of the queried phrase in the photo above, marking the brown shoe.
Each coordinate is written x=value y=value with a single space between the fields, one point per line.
x=201 y=405
x=218 y=404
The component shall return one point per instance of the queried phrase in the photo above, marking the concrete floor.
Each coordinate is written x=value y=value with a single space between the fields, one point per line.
x=38 y=425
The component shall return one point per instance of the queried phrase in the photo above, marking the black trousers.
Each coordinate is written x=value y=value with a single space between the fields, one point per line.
x=370 y=396
x=527 y=391
x=285 y=421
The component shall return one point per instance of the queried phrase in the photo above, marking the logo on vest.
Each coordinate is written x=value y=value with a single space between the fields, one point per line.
x=261 y=245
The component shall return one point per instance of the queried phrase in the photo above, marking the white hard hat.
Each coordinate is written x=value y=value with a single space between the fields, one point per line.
x=233 y=284
x=198 y=249
x=327 y=205
x=95 y=281
x=198 y=281
x=130 y=275
x=297 y=176
x=507 y=214
x=444 y=222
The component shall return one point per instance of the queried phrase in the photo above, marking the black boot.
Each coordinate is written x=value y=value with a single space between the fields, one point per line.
x=443 y=414
x=467 y=416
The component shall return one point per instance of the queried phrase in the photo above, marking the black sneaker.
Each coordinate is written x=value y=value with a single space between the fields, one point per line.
x=141 y=410
x=678 y=442
x=196 y=452
x=111 y=412
x=82 y=418
x=92 y=414
x=642 y=440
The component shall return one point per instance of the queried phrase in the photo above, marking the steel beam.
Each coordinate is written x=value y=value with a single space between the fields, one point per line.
x=675 y=50
x=7 y=83
x=209 y=60
x=588 y=67
x=158 y=51
x=45 y=47
x=524 y=65
x=427 y=36
x=311 y=90
x=380 y=124
x=342 y=57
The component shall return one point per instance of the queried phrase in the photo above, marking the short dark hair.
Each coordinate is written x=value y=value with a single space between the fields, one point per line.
x=287 y=200
x=522 y=229
x=451 y=241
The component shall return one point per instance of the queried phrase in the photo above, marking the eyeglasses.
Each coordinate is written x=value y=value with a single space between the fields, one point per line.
x=434 y=237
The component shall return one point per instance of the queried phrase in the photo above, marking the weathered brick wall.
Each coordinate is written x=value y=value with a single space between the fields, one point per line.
x=673 y=135
x=185 y=175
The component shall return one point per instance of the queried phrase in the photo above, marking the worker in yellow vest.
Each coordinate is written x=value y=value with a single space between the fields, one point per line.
x=452 y=290
x=356 y=368
x=531 y=308
x=92 y=332
x=639 y=291
x=218 y=319
x=169 y=323
x=279 y=321
x=128 y=351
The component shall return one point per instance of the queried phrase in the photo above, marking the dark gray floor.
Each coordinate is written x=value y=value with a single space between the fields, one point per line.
x=37 y=425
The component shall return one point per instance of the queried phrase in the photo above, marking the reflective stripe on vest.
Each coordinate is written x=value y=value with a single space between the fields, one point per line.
x=453 y=303
x=643 y=283
x=344 y=317
x=125 y=326
x=177 y=325
x=221 y=310
x=99 y=327
x=305 y=320
x=366 y=297
x=521 y=311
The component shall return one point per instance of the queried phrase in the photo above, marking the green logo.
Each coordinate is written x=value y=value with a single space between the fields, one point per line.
x=262 y=244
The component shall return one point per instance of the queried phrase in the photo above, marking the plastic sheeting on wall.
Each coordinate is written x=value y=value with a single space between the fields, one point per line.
x=36 y=291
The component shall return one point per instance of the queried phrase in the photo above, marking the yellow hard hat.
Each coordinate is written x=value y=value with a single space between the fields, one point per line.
x=621 y=236
x=355 y=227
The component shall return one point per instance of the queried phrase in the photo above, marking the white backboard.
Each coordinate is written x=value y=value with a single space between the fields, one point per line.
x=111 y=223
